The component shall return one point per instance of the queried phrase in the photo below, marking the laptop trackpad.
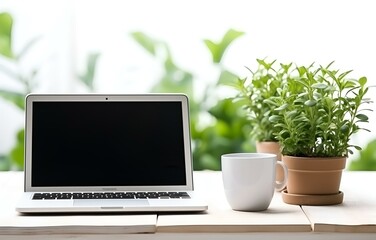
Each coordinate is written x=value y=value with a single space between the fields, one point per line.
x=110 y=202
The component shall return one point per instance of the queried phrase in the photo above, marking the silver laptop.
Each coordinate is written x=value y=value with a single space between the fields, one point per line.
x=108 y=153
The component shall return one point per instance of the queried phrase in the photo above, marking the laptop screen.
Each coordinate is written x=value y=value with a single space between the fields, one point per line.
x=114 y=143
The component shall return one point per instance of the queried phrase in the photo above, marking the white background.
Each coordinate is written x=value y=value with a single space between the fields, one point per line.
x=302 y=31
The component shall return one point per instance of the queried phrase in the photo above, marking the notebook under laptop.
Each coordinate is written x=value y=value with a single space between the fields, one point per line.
x=107 y=153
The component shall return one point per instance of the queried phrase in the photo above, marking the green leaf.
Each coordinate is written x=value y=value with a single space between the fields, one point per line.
x=342 y=75
x=367 y=158
x=345 y=129
x=292 y=114
x=362 y=117
x=281 y=108
x=17 y=153
x=357 y=147
x=88 y=77
x=319 y=85
x=4 y=163
x=302 y=70
x=227 y=78
x=15 y=97
x=310 y=103
x=350 y=84
x=266 y=65
x=285 y=67
x=175 y=79
x=284 y=133
x=148 y=43
x=6 y=24
x=363 y=81
x=271 y=102
x=275 y=118
x=213 y=47
x=218 y=49
x=169 y=65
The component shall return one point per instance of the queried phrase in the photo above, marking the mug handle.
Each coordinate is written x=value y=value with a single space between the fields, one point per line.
x=280 y=185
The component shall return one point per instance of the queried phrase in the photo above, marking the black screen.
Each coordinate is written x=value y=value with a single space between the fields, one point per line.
x=107 y=144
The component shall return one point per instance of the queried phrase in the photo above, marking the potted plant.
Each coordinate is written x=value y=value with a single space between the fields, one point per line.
x=316 y=113
x=263 y=84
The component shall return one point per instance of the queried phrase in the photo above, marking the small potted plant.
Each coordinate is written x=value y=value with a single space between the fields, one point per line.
x=316 y=113
x=263 y=84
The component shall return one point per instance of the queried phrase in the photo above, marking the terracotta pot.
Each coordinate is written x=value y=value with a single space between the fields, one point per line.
x=271 y=147
x=310 y=176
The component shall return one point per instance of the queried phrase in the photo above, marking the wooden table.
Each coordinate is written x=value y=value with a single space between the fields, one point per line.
x=354 y=219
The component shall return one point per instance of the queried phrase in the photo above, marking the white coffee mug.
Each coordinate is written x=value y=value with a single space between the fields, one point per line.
x=249 y=180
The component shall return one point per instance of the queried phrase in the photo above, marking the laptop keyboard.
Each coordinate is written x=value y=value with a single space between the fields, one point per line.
x=112 y=195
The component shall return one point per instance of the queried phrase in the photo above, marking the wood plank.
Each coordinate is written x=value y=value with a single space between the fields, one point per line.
x=356 y=214
x=279 y=217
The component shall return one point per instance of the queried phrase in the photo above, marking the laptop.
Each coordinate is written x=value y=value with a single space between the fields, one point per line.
x=108 y=153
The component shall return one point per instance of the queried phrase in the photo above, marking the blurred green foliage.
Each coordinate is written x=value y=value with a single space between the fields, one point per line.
x=6 y=23
x=367 y=159
x=26 y=80
x=87 y=78
x=227 y=131
x=14 y=160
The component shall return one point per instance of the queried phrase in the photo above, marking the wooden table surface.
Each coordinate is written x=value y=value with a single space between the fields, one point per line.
x=355 y=218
